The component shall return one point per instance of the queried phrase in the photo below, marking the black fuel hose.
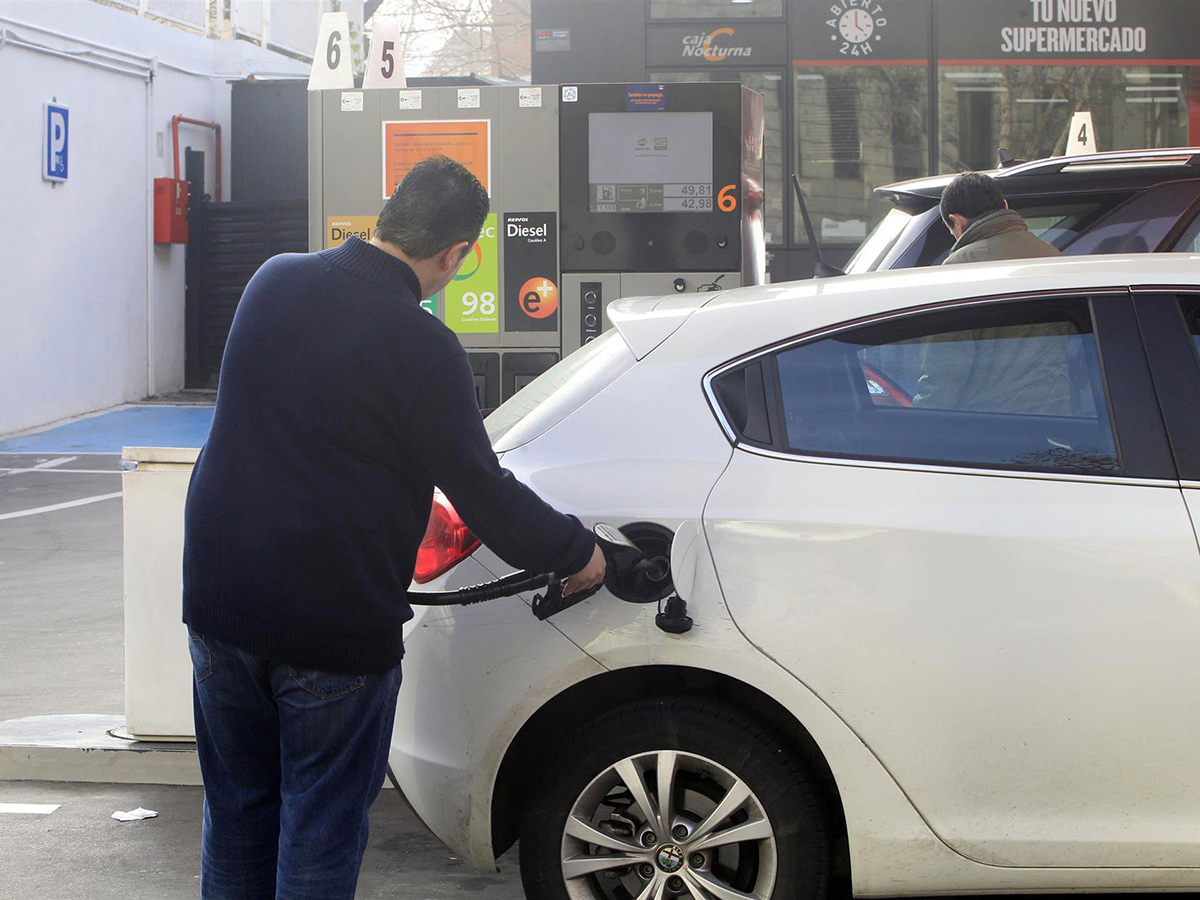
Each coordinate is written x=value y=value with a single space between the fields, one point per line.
x=503 y=587
x=620 y=555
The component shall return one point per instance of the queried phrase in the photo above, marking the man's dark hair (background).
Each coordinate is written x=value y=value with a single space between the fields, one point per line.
x=971 y=194
x=438 y=203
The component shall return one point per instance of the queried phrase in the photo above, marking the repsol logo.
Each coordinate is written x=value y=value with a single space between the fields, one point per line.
x=707 y=46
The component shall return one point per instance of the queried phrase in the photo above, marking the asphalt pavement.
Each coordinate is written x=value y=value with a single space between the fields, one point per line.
x=61 y=616
x=78 y=852
x=61 y=567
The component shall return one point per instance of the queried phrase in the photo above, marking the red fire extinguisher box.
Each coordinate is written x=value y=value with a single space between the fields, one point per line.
x=170 y=211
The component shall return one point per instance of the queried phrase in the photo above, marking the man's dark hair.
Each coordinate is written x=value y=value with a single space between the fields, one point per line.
x=438 y=203
x=971 y=194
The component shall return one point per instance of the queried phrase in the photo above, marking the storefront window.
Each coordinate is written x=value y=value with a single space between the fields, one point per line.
x=770 y=85
x=857 y=127
x=716 y=9
x=1027 y=108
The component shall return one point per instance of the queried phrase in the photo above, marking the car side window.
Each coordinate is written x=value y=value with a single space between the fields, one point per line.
x=1190 y=241
x=1014 y=385
x=1191 y=315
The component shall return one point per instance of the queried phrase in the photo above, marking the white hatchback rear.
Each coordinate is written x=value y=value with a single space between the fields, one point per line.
x=935 y=531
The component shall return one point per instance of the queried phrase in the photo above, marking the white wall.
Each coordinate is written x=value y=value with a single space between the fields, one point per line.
x=91 y=311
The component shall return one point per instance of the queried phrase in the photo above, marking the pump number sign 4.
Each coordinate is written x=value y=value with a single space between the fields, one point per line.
x=471 y=298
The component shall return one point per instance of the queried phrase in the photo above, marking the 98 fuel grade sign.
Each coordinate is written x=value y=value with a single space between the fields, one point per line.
x=472 y=297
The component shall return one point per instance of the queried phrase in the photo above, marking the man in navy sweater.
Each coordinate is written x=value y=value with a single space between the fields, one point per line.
x=341 y=404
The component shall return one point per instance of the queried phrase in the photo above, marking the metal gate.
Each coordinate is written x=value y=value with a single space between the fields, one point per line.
x=227 y=242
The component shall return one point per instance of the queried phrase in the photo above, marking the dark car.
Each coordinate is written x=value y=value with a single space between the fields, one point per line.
x=1134 y=201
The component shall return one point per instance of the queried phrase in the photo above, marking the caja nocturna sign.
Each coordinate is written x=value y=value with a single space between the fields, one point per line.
x=717 y=44
x=707 y=45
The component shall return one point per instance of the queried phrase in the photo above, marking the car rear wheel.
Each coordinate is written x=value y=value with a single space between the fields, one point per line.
x=672 y=799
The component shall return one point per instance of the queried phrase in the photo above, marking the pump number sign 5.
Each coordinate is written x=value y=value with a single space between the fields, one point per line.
x=471 y=298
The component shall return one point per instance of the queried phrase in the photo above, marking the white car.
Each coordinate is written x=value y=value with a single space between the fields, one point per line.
x=936 y=530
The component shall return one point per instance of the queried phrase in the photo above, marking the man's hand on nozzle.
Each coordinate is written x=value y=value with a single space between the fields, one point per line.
x=589 y=576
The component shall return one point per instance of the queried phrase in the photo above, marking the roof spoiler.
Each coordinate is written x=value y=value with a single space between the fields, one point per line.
x=821 y=269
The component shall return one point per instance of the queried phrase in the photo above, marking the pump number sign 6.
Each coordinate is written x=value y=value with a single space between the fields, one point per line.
x=333 y=65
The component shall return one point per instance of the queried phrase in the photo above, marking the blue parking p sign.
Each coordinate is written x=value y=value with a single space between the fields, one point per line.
x=55 y=141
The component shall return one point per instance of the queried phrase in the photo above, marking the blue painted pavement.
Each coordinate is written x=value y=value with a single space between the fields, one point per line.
x=136 y=426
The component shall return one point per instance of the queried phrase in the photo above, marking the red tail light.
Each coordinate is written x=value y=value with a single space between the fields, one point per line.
x=447 y=542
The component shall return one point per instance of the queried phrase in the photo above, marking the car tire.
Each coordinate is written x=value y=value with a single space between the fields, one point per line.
x=717 y=755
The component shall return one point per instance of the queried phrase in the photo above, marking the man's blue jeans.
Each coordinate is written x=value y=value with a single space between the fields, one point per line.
x=292 y=759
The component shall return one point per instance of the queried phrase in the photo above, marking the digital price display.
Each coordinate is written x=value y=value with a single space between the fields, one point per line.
x=650 y=162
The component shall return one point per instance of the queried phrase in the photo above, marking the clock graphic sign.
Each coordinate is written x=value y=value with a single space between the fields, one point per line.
x=856 y=24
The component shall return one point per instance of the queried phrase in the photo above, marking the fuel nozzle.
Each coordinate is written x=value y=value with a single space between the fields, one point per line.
x=620 y=553
x=621 y=556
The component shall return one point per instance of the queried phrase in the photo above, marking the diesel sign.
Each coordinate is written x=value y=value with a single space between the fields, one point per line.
x=514 y=227
x=530 y=271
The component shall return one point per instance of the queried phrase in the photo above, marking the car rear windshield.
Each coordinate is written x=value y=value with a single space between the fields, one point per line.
x=1057 y=220
x=870 y=253
x=559 y=391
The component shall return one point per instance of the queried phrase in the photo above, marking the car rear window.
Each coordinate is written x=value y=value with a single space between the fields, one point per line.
x=559 y=391
x=871 y=252
x=1190 y=241
x=1140 y=225
x=1059 y=221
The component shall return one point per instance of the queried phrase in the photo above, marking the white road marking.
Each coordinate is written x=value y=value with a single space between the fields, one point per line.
x=77 y=453
x=42 y=466
x=45 y=509
x=57 y=461
x=4 y=470
x=29 y=809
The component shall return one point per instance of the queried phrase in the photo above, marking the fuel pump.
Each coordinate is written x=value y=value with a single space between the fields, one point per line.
x=597 y=191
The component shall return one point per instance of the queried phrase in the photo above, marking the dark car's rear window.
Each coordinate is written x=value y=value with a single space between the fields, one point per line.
x=1057 y=220
x=1140 y=225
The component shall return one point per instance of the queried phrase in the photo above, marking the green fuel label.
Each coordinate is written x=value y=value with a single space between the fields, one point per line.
x=471 y=305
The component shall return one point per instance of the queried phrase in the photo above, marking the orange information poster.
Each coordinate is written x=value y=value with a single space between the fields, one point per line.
x=407 y=143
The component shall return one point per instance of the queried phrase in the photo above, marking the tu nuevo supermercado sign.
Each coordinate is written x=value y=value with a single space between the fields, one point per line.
x=1113 y=32
x=1074 y=26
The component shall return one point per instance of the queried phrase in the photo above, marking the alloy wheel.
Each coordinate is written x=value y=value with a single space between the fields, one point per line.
x=666 y=824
